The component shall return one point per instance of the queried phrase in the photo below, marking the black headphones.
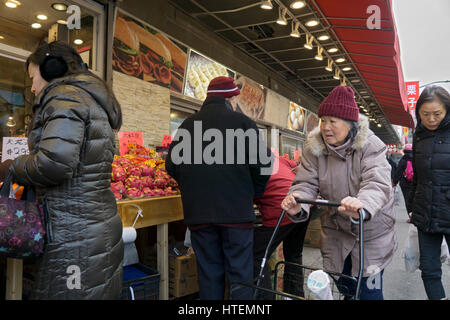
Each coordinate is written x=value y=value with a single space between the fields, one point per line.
x=52 y=67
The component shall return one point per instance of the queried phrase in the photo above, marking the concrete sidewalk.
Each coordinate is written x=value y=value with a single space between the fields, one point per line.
x=397 y=283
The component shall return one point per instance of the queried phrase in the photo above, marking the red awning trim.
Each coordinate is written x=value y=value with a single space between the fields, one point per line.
x=375 y=53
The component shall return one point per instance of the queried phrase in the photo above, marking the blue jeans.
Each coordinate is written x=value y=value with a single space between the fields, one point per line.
x=219 y=251
x=430 y=263
x=348 y=287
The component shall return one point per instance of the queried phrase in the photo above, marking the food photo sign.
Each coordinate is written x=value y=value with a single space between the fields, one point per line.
x=201 y=71
x=252 y=99
x=296 y=118
x=312 y=121
x=143 y=52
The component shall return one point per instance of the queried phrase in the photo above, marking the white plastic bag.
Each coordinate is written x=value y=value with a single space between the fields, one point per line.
x=445 y=256
x=412 y=253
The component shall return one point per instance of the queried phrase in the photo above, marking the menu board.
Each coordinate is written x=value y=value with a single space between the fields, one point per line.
x=296 y=117
x=145 y=53
x=252 y=99
x=312 y=121
x=201 y=71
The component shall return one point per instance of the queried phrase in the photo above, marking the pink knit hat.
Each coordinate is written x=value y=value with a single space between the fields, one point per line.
x=222 y=87
x=340 y=103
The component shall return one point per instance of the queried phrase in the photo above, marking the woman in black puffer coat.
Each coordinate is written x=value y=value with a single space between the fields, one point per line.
x=72 y=146
x=430 y=191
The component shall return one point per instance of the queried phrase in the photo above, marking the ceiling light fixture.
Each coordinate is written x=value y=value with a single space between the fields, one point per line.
x=379 y=125
x=309 y=42
x=312 y=23
x=343 y=82
x=355 y=80
x=62 y=21
x=36 y=25
x=297 y=4
x=2 y=37
x=323 y=37
x=266 y=5
x=319 y=54
x=329 y=67
x=41 y=17
x=339 y=60
x=346 y=69
x=78 y=41
x=282 y=16
x=294 y=32
x=59 y=6
x=336 y=74
x=332 y=50
x=12 y=4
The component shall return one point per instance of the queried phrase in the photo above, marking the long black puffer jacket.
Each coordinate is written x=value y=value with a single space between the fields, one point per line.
x=430 y=190
x=72 y=146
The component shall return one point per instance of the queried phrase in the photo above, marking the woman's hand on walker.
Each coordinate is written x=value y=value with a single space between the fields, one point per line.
x=350 y=206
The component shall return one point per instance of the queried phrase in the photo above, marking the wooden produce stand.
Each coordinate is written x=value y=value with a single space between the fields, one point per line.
x=157 y=211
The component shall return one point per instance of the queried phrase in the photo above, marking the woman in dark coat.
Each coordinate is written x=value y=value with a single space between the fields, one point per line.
x=399 y=175
x=430 y=190
x=72 y=146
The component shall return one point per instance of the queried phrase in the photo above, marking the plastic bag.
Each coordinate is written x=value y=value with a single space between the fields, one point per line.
x=412 y=253
x=445 y=256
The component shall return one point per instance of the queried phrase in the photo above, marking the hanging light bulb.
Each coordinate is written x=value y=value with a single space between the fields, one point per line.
x=294 y=32
x=297 y=4
x=319 y=54
x=336 y=74
x=10 y=123
x=308 y=44
x=266 y=5
x=282 y=16
x=329 y=67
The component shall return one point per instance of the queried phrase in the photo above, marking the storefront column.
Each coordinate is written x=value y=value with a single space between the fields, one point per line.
x=163 y=259
x=14 y=275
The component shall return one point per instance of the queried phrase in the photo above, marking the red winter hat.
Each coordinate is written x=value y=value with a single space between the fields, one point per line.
x=340 y=103
x=222 y=87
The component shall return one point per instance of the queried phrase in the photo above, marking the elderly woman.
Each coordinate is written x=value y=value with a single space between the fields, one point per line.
x=346 y=163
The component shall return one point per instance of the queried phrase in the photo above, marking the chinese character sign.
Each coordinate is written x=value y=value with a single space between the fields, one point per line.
x=126 y=137
x=14 y=147
x=412 y=91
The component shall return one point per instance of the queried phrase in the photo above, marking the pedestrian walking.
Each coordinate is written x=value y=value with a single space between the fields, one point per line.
x=217 y=194
x=71 y=143
x=430 y=191
x=345 y=162
x=404 y=174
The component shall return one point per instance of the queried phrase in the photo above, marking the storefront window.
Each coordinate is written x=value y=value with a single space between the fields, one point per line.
x=176 y=119
x=291 y=147
x=22 y=30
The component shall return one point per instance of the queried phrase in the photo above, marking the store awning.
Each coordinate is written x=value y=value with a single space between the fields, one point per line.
x=375 y=52
x=371 y=58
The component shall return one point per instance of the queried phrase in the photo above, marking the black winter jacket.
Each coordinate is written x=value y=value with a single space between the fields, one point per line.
x=217 y=193
x=72 y=146
x=401 y=167
x=430 y=191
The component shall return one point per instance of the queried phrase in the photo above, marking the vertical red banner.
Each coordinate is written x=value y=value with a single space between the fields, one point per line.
x=412 y=92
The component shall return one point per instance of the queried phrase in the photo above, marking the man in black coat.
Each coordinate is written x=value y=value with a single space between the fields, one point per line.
x=220 y=164
x=399 y=176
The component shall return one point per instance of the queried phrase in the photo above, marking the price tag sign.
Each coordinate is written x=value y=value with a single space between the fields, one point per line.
x=126 y=137
x=167 y=140
x=14 y=147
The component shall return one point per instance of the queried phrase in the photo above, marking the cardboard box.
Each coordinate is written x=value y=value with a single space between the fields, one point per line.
x=313 y=234
x=180 y=287
x=182 y=266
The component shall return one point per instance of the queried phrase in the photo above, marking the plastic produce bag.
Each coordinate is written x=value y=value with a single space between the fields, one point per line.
x=445 y=256
x=412 y=253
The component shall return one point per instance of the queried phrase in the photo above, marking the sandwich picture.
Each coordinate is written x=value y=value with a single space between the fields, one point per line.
x=142 y=52
x=126 y=56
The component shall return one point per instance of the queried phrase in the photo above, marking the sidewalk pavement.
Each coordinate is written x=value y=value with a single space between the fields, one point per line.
x=397 y=283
